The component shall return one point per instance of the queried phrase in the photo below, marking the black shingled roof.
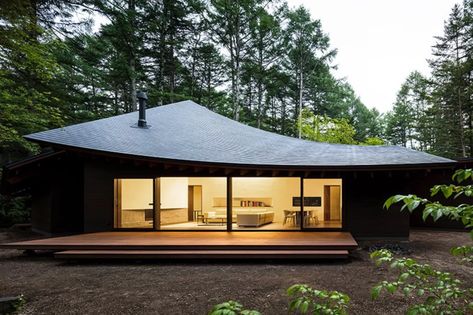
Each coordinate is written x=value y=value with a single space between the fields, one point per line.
x=186 y=131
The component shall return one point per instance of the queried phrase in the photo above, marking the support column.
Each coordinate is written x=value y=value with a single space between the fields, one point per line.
x=302 y=205
x=156 y=203
x=229 y=203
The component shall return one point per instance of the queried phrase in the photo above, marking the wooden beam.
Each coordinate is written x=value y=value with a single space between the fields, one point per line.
x=243 y=172
x=228 y=171
x=259 y=172
x=275 y=173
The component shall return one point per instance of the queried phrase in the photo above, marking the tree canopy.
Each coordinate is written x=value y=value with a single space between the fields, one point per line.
x=256 y=61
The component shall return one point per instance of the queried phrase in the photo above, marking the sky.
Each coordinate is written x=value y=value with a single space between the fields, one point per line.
x=380 y=42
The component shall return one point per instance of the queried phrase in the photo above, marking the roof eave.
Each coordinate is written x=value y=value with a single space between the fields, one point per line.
x=367 y=167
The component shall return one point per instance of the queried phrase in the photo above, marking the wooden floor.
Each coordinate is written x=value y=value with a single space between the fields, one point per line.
x=195 y=244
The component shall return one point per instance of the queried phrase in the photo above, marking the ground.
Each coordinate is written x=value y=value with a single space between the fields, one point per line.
x=55 y=287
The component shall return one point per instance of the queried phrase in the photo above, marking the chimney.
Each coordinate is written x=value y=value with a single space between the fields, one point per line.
x=142 y=98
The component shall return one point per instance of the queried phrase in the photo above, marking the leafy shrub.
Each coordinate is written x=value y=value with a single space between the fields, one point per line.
x=231 y=308
x=307 y=300
x=14 y=210
x=436 y=210
x=441 y=292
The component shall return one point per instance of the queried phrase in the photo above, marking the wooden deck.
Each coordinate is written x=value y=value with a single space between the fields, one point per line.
x=209 y=245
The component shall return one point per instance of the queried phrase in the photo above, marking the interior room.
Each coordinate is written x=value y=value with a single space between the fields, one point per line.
x=200 y=203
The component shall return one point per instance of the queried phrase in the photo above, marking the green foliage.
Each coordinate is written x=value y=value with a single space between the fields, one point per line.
x=240 y=59
x=373 y=141
x=231 y=308
x=466 y=252
x=434 y=113
x=13 y=306
x=306 y=300
x=14 y=210
x=436 y=210
x=440 y=292
x=326 y=129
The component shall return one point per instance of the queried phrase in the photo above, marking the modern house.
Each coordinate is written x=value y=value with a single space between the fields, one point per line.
x=183 y=167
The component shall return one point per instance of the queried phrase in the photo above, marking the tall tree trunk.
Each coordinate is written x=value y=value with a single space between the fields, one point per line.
x=132 y=56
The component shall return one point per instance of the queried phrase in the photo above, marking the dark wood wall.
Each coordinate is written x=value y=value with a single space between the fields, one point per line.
x=57 y=198
x=80 y=198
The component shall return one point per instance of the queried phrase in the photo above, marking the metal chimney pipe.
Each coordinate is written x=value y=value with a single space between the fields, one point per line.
x=142 y=98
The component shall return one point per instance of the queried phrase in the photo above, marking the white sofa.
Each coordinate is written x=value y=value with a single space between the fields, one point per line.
x=255 y=219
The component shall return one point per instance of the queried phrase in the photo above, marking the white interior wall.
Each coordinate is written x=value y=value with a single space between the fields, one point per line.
x=314 y=187
x=212 y=187
x=137 y=193
x=174 y=192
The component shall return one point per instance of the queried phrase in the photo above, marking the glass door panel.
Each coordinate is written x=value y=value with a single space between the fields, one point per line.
x=322 y=203
x=134 y=203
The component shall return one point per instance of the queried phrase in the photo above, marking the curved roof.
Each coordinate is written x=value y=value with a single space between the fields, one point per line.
x=186 y=131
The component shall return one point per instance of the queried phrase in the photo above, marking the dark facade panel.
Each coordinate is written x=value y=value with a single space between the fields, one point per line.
x=98 y=197
x=57 y=192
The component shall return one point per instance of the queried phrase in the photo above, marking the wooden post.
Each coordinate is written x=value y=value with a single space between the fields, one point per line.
x=157 y=204
x=302 y=204
x=229 y=203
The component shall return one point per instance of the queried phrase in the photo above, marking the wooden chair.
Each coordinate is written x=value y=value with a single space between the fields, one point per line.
x=311 y=218
x=288 y=216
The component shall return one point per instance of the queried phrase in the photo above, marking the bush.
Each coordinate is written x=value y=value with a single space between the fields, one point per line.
x=231 y=308
x=441 y=292
x=312 y=301
x=14 y=210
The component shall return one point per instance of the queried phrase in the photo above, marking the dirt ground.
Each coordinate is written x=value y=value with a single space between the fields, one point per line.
x=56 y=287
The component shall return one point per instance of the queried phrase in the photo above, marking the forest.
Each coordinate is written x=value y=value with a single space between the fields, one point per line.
x=260 y=62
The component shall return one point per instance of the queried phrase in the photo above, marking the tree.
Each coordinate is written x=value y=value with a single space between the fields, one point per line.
x=452 y=82
x=308 y=56
x=27 y=70
x=229 y=23
x=326 y=129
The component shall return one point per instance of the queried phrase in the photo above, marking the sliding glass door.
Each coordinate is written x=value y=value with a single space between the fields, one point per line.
x=193 y=203
x=322 y=203
x=251 y=203
x=134 y=203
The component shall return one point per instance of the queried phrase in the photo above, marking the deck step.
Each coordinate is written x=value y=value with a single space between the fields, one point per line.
x=202 y=254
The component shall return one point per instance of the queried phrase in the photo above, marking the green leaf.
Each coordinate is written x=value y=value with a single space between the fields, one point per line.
x=404 y=276
x=447 y=191
x=391 y=288
x=437 y=214
x=413 y=205
x=376 y=291
x=304 y=307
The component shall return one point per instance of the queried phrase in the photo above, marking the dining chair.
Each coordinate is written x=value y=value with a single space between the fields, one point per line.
x=288 y=216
